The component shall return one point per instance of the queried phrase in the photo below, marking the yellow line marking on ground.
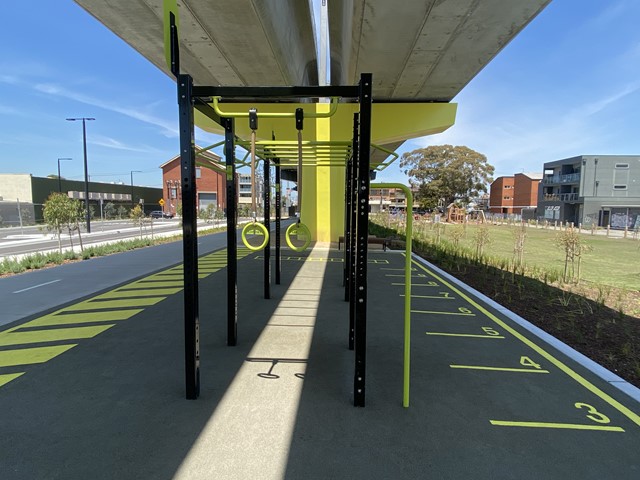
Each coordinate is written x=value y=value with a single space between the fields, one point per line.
x=403 y=276
x=156 y=285
x=114 y=304
x=167 y=284
x=158 y=292
x=29 y=356
x=7 y=377
x=575 y=376
x=430 y=296
x=500 y=369
x=418 y=284
x=445 y=313
x=87 y=317
x=472 y=335
x=51 y=335
x=571 y=426
x=149 y=291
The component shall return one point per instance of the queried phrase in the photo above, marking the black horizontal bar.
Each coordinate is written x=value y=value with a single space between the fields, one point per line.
x=276 y=93
x=207 y=110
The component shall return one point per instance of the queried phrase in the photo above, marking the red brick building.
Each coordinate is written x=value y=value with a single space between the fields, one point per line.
x=512 y=194
x=525 y=188
x=501 y=195
x=211 y=183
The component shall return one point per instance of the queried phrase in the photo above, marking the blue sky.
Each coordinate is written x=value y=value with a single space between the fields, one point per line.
x=569 y=84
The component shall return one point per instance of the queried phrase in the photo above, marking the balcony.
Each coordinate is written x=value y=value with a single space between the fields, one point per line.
x=567 y=178
x=560 y=197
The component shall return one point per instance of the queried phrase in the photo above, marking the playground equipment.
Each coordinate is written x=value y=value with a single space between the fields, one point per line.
x=455 y=214
x=254 y=227
x=299 y=228
x=354 y=154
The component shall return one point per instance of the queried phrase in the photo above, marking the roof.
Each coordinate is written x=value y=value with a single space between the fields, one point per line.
x=428 y=50
x=532 y=176
x=206 y=154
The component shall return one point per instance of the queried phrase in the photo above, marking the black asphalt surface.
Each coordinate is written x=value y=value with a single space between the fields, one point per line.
x=488 y=398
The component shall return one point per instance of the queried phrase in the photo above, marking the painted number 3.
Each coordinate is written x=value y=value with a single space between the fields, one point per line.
x=593 y=414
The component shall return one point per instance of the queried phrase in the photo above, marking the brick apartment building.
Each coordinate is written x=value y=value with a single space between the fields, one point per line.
x=211 y=186
x=512 y=194
x=501 y=195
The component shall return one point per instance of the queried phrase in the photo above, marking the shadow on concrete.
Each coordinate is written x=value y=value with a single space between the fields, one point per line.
x=114 y=406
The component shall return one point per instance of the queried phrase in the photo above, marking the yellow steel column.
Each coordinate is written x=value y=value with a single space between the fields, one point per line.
x=323 y=203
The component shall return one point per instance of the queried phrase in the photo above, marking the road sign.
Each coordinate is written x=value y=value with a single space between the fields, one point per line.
x=161 y=202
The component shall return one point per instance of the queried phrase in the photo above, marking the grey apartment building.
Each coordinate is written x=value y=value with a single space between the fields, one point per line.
x=588 y=189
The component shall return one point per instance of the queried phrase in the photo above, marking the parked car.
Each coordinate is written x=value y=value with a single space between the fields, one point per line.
x=160 y=214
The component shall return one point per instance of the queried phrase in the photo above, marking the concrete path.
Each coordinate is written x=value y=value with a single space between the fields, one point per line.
x=96 y=389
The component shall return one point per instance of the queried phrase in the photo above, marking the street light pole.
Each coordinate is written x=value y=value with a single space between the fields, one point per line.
x=132 y=172
x=86 y=171
x=60 y=181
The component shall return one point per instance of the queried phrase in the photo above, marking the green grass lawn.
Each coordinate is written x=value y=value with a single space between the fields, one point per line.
x=612 y=261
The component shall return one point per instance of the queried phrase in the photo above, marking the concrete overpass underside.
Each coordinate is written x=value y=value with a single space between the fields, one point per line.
x=420 y=53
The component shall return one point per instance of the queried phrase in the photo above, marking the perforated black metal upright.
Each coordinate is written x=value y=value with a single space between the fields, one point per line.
x=364 y=147
x=232 y=240
x=190 y=237
x=353 y=213
x=267 y=224
x=278 y=201
x=347 y=226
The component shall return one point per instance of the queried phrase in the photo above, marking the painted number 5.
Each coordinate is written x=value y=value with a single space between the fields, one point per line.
x=593 y=414
x=490 y=331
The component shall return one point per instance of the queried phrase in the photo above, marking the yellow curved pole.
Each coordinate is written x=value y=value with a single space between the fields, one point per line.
x=407 y=286
x=330 y=113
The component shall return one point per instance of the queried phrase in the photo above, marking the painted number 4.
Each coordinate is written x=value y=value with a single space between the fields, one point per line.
x=527 y=362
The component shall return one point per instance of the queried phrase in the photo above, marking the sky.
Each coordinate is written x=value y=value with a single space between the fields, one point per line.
x=567 y=85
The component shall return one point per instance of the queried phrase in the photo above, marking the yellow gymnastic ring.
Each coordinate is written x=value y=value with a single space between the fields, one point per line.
x=255 y=226
x=294 y=228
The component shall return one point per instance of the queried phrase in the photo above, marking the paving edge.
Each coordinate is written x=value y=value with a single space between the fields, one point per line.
x=597 y=369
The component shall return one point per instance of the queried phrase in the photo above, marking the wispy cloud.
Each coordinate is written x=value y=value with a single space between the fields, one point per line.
x=168 y=129
x=8 y=110
x=595 y=107
x=523 y=137
x=109 y=142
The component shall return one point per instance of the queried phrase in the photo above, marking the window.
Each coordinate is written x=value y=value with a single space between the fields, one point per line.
x=198 y=172
x=508 y=186
x=506 y=198
x=622 y=166
x=173 y=192
x=619 y=187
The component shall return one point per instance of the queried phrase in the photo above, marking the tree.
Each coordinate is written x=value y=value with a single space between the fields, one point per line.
x=137 y=216
x=61 y=212
x=109 y=210
x=446 y=173
x=218 y=215
x=122 y=211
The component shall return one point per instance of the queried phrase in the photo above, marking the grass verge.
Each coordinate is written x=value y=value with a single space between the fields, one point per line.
x=11 y=266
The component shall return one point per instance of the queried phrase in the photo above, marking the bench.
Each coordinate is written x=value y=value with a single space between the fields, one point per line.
x=372 y=240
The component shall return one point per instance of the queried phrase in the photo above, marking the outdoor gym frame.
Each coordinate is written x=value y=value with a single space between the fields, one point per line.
x=192 y=97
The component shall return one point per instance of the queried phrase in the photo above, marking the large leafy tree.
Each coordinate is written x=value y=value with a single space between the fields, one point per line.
x=444 y=173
